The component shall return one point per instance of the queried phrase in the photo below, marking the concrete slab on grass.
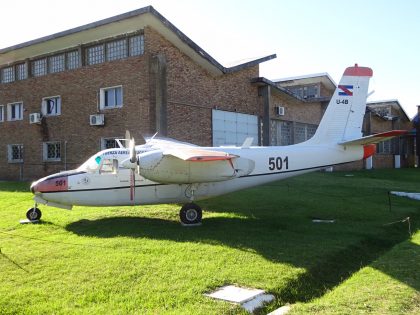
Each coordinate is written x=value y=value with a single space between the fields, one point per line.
x=249 y=299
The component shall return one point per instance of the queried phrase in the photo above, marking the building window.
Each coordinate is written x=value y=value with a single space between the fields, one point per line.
x=73 y=60
x=52 y=151
x=39 y=67
x=51 y=106
x=384 y=147
x=306 y=92
x=95 y=55
x=8 y=74
x=1 y=113
x=111 y=97
x=137 y=45
x=21 y=71
x=116 y=50
x=109 y=143
x=15 y=111
x=15 y=153
x=56 y=64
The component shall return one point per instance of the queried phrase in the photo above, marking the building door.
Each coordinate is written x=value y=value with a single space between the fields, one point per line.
x=230 y=128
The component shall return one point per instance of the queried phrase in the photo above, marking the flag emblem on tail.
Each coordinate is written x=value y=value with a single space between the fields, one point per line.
x=346 y=90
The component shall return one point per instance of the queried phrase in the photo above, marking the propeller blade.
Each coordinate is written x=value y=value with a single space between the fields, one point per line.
x=132 y=186
x=132 y=147
x=127 y=138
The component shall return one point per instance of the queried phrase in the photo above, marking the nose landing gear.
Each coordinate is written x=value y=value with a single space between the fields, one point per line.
x=34 y=214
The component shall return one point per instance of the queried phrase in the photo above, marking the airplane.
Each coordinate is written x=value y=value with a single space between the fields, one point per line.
x=169 y=171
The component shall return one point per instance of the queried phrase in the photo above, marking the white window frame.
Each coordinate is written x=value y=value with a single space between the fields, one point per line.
x=1 y=113
x=44 y=108
x=104 y=139
x=9 y=111
x=102 y=97
x=10 y=158
x=45 y=157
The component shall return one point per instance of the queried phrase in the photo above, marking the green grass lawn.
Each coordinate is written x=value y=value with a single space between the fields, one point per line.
x=140 y=260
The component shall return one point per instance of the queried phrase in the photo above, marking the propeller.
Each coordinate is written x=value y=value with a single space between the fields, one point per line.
x=133 y=160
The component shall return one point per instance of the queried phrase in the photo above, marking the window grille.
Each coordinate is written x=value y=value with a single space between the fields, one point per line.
x=116 y=50
x=8 y=75
x=56 y=64
x=15 y=153
x=73 y=60
x=21 y=71
x=95 y=55
x=52 y=151
x=39 y=67
x=137 y=45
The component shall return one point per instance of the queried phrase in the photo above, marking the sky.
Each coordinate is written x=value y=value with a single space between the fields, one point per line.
x=307 y=36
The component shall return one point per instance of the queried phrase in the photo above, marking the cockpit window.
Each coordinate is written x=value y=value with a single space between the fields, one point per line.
x=91 y=165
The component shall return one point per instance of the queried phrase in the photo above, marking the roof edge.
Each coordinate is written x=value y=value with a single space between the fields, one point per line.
x=116 y=18
x=270 y=83
x=249 y=64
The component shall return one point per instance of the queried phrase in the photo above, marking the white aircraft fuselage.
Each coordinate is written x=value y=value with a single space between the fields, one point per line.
x=111 y=187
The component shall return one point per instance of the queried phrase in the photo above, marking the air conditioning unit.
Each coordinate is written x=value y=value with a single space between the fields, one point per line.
x=279 y=110
x=97 y=120
x=35 y=118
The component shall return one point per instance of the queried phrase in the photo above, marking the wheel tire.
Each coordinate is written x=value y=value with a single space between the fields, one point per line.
x=33 y=214
x=190 y=213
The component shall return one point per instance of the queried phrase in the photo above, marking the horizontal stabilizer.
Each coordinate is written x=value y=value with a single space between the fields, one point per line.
x=376 y=138
x=198 y=155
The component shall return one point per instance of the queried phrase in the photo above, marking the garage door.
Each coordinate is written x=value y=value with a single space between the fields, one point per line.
x=231 y=128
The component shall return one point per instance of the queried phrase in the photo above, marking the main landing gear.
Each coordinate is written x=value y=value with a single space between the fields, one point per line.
x=190 y=213
x=34 y=214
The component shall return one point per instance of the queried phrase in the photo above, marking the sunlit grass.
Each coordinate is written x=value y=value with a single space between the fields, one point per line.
x=120 y=260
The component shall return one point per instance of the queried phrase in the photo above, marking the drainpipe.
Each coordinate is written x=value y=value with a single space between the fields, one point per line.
x=417 y=147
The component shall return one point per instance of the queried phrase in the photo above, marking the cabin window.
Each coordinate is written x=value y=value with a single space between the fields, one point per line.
x=52 y=151
x=15 y=153
x=109 y=166
x=51 y=106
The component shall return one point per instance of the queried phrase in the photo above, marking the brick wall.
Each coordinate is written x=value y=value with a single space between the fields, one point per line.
x=192 y=92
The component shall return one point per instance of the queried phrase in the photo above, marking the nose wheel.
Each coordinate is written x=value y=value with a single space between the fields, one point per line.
x=190 y=214
x=34 y=214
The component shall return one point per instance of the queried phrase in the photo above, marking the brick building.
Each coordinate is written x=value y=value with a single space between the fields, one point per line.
x=66 y=96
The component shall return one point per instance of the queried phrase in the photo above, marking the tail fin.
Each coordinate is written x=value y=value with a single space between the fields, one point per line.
x=343 y=118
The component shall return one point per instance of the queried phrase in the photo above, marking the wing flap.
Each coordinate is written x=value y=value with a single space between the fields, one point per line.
x=198 y=155
x=376 y=138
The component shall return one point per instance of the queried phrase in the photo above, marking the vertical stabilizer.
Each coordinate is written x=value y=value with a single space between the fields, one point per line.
x=343 y=118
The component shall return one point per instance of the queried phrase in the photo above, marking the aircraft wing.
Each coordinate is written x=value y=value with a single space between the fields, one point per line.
x=376 y=138
x=198 y=155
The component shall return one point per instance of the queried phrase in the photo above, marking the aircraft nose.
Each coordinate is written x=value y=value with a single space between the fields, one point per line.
x=34 y=187
x=50 y=184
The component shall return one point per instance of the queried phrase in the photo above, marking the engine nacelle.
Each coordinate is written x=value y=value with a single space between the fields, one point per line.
x=169 y=169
